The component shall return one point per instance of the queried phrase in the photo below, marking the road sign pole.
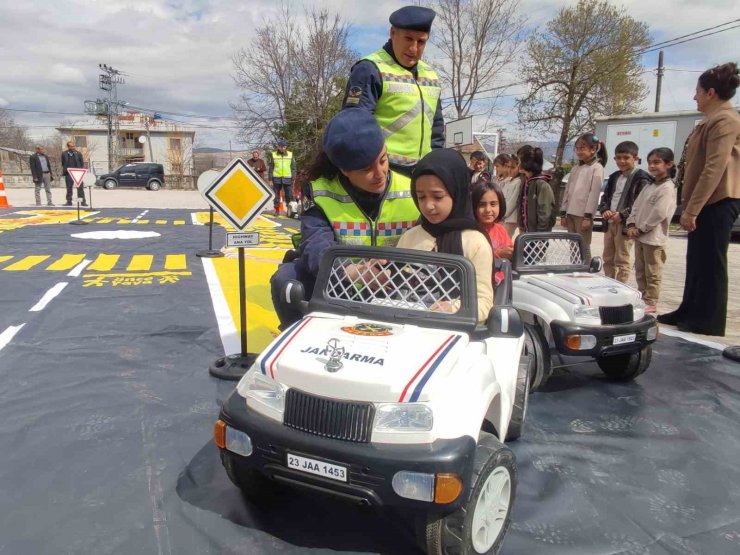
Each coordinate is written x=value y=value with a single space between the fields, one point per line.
x=210 y=253
x=78 y=221
x=233 y=367
x=89 y=195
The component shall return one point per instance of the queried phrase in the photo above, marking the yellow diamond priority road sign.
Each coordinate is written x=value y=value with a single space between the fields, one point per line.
x=237 y=193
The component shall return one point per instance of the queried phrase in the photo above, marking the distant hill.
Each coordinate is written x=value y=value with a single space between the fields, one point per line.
x=208 y=150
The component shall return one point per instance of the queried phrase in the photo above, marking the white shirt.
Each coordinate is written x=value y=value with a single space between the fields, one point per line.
x=618 y=190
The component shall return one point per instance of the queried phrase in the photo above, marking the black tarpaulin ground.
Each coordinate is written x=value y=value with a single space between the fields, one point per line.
x=106 y=416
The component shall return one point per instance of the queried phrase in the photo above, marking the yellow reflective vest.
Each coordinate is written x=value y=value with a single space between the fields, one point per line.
x=405 y=110
x=281 y=164
x=351 y=226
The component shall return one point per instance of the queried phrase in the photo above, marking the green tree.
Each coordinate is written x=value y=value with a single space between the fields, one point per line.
x=583 y=64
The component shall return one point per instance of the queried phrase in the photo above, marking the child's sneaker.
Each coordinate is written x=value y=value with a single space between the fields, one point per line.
x=651 y=309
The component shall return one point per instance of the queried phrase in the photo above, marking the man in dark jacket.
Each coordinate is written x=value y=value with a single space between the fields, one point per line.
x=71 y=158
x=615 y=207
x=405 y=100
x=41 y=173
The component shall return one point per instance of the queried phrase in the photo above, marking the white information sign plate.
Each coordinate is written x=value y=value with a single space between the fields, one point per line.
x=622 y=339
x=320 y=468
x=249 y=239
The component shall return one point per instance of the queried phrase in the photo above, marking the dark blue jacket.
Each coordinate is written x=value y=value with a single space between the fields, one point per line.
x=635 y=183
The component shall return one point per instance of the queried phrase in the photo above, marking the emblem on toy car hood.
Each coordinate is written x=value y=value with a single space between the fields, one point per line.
x=613 y=290
x=335 y=355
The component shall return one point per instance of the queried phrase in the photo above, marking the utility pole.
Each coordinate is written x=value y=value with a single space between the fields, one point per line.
x=109 y=81
x=148 y=137
x=661 y=71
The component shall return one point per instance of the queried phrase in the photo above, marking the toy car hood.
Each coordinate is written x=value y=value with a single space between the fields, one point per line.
x=362 y=360
x=588 y=289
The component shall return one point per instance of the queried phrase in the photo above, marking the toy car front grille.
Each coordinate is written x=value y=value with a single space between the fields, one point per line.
x=616 y=314
x=328 y=418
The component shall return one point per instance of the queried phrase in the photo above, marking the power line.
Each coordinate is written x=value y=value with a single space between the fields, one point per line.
x=672 y=42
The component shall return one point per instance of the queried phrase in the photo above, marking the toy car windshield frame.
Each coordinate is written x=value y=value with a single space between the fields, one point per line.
x=548 y=252
x=405 y=300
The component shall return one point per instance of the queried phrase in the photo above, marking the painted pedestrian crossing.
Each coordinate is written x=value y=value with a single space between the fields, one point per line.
x=108 y=220
x=101 y=262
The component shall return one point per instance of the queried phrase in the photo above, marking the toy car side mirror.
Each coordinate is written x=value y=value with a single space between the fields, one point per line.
x=597 y=263
x=504 y=321
x=294 y=294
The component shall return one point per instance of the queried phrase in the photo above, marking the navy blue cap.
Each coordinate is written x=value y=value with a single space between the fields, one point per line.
x=415 y=18
x=353 y=139
x=282 y=142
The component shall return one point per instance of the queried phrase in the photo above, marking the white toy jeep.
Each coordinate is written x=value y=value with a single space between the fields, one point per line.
x=389 y=393
x=566 y=306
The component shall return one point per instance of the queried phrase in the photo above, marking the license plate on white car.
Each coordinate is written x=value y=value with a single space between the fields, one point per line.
x=320 y=468
x=622 y=339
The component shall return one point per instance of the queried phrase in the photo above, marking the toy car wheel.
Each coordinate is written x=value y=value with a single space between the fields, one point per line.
x=154 y=185
x=537 y=350
x=521 y=398
x=481 y=522
x=109 y=184
x=627 y=366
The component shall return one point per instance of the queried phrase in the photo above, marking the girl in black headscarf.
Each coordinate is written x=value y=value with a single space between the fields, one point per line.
x=440 y=189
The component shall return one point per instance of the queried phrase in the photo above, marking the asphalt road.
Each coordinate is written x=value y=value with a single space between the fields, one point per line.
x=107 y=409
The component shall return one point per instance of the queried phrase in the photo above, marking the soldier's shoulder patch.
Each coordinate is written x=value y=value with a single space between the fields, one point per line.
x=353 y=96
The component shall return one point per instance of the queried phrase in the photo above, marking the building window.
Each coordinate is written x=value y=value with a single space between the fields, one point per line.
x=80 y=141
x=175 y=144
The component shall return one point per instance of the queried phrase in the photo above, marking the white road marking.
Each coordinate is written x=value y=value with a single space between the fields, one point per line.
x=48 y=297
x=194 y=218
x=226 y=327
x=137 y=218
x=116 y=234
x=77 y=270
x=8 y=335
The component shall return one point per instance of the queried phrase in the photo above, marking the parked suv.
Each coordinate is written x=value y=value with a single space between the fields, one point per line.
x=146 y=175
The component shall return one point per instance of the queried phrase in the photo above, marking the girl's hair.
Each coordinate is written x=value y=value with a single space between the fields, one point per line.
x=592 y=140
x=531 y=159
x=480 y=189
x=724 y=79
x=502 y=159
x=665 y=154
x=321 y=167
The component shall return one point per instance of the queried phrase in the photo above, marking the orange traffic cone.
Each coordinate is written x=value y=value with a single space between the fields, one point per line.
x=3 y=196
x=281 y=206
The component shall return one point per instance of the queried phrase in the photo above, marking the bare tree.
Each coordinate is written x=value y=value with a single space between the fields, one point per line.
x=479 y=40
x=292 y=78
x=583 y=64
x=15 y=136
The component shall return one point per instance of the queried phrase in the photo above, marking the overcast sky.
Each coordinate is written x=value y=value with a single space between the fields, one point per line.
x=177 y=54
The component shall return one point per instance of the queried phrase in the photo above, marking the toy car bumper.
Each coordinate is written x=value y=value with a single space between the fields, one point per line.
x=605 y=340
x=369 y=468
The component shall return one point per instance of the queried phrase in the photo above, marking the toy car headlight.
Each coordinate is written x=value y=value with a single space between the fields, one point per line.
x=403 y=417
x=591 y=312
x=264 y=390
x=639 y=310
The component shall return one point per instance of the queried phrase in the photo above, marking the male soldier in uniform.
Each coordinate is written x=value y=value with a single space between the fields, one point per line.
x=401 y=90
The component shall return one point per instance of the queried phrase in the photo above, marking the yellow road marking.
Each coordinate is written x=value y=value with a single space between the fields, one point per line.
x=179 y=222
x=140 y=262
x=105 y=220
x=4 y=258
x=26 y=263
x=66 y=262
x=175 y=262
x=262 y=322
x=143 y=274
x=160 y=222
x=124 y=221
x=143 y=222
x=104 y=262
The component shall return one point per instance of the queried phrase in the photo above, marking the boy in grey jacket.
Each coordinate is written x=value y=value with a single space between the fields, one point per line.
x=648 y=226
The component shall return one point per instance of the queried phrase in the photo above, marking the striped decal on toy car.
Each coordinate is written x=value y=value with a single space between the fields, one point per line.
x=273 y=354
x=427 y=369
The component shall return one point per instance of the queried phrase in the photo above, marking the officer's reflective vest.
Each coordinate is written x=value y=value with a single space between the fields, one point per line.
x=406 y=108
x=281 y=164
x=397 y=212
